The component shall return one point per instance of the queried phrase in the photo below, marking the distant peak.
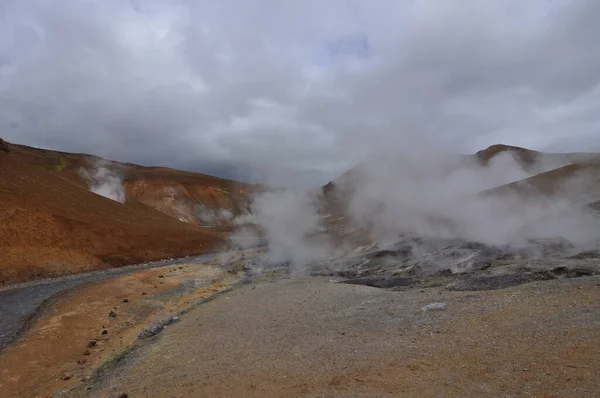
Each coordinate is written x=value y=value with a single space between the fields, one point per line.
x=496 y=148
x=525 y=155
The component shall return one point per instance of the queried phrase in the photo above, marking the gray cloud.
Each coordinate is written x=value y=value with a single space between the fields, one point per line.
x=297 y=92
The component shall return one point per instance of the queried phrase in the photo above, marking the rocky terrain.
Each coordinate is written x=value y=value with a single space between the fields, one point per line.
x=457 y=264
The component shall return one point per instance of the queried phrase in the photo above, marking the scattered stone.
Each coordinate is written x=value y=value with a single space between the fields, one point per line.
x=87 y=352
x=586 y=255
x=92 y=343
x=112 y=314
x=81 y=361
x=493 y=282
x=114 y=308
x=65 y=377
x=125 y=300
x=161 y=276
x=381 y=282
x=105 y=331
x=157 y=327
x=180 y=267
x=123 y=395
x=144 y=293
x=434 y=307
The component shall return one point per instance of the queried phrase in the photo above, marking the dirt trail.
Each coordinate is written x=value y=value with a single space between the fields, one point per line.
x=84 y=327
x=314 y=338
x=20 y=302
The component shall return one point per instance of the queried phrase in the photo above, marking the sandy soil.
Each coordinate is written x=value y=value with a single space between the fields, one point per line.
x=55 y=353
x=314 y=338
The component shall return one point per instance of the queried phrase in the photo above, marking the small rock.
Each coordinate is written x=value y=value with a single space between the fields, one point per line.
x=87 y=352
x=125 y=300
x=114 y=308
x=105 y=331
x=161 y=276
x=434 y=307
x=112 y=314
x=92 y=343
x=180 y=267
x=144 y=293
x=81 y=361
x=65 y=377
x=123 y=395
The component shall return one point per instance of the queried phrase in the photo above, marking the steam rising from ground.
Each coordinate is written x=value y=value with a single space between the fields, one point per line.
x=207 y=215
x=104 y=180
x=430 y=196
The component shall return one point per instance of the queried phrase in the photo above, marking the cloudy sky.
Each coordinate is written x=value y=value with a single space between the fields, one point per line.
x=297 y=91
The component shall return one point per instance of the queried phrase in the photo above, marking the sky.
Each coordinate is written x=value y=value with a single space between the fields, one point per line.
x=296 y=93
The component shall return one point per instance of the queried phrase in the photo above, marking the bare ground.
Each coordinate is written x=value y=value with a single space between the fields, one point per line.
x=74 y=333
x=315 y=338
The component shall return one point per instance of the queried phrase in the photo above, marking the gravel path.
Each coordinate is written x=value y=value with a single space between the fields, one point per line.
x=19 y=303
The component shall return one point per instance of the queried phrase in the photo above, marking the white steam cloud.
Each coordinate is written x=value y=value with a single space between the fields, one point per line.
x=104 y=180
x=428 y=195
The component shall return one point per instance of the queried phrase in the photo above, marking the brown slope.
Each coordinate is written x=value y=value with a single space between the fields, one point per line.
x=190 y=197
x=532 y=161
x=576 y=181
x=50 y=226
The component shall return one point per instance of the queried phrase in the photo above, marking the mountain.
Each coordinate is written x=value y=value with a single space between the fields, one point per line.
x=420 y=190
x=190 y=197
x=52 y=224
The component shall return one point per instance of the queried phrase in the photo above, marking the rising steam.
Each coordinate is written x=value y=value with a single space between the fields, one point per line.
x=104 y=180
x=430 y=196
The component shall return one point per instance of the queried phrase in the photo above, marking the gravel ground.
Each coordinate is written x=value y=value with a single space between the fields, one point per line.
x=315 y=338
x=20 y=302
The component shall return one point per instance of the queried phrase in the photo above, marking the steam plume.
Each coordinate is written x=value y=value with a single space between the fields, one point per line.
x=104 y=181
